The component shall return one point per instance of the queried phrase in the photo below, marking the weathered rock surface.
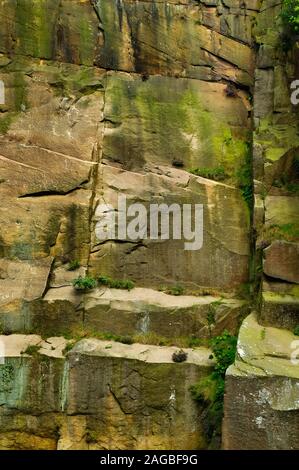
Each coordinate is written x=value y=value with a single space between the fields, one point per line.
x=145 y=311
x=52 y=30
x=88 y=400
x=141 y=313
x=23 y=280
x=280 y=308
x=275 y=153
x=282 y=261
x=282 y=210
x=164 y=119
x=104 y=98
x=261 y=399
x=61 y=108
x=155 y=262
x=181 y=39
x=52 y=207
x=262 y=390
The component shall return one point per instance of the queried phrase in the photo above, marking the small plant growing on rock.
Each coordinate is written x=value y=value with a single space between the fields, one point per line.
x=224 y=350
x=244 y=176
x=263 y=334
x=73 y=265
x=179 y=356
x=116 y=284
x=292 y=188
x=84 y=283
x=290 y=15
x=288 y=232
x=296 y=330
x=126 y=339
x=104 y=280
x=209 y=391
x=31 y=350
x=194 y=342
x=176 y=290
x=125 y=284
x=90 y=437
x=172 y=290
x=216 y=174
x=68 y=347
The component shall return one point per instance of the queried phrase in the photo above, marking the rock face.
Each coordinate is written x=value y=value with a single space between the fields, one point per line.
x=106 y=133
x=261 y=401
x=276 y=172
x=105 y=99
x=281 y=261
x=275 y=149
x=103 y=395
x=150 y=100
x=152 y=262
x=180 y=39
x=145 y=311
x=164 y=119
x=265 y=385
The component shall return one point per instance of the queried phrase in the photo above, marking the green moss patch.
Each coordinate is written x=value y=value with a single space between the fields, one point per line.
x=209 y=391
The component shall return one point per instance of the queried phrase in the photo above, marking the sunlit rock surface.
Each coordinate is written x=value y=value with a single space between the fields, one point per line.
x=108 y=98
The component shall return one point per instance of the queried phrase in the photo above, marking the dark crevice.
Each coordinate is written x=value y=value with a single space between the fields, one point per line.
x=117 y=401
x=53 y=193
